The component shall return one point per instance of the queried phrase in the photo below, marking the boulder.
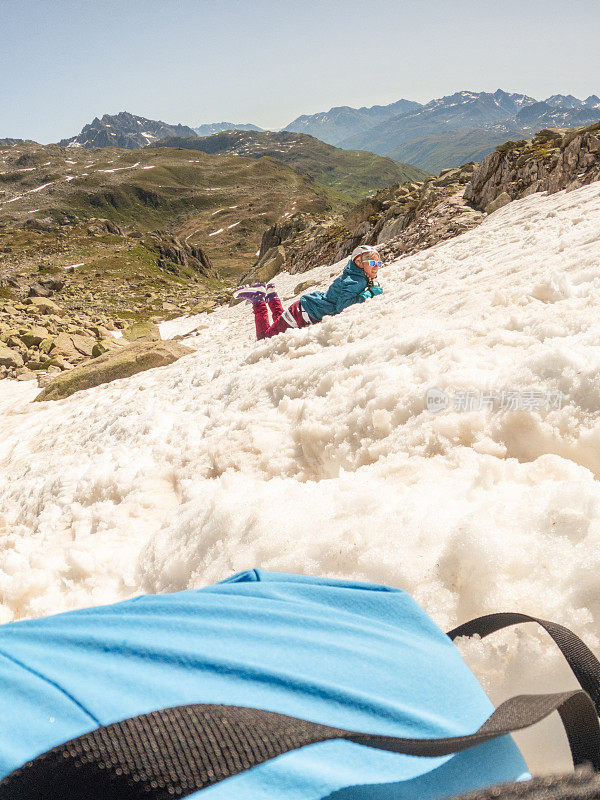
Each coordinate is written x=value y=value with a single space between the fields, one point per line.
x=100 y=332
x=10 y=358
x=37 y=290
x=142 y=330
x=53 y=284
x=63 y=346
x=34 y=336
x=303 y=285
x=111 y=366
x=104 y=226
x=35 y=364
x=24 y=374
x=16 y=344
x=502 y=200
x=61 y=362
x=83 y=344
x=391 y=228
x=42 y=305
x=46 y=345
x=202 y=306
x=104 y=345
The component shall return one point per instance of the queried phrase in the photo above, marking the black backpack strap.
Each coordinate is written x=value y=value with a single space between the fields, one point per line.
x=180 y=750
x=580 y=658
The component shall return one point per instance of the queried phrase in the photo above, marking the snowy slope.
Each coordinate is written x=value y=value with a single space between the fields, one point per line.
x=315 y=451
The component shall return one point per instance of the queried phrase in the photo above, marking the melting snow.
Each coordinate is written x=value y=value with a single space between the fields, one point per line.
x=315 y=452
x=214 y=233
x=118 y=169
x=39 y=188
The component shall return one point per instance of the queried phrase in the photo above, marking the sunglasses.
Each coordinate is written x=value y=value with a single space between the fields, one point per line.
x=372 y=263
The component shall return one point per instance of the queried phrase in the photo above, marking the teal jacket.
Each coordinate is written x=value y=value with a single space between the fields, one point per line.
x=352 y=286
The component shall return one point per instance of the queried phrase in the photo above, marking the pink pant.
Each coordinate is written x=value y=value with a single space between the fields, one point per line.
x=264 y=330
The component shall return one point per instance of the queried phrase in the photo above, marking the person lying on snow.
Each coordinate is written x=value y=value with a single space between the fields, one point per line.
x=355 y=285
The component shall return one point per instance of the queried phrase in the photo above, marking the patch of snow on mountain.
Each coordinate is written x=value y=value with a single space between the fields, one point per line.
x=315 y=451
x=120 y=169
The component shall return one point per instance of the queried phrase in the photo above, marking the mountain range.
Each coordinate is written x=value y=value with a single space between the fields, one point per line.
x=450 y=130
x=338 y=123
x=132 y=132
x=217 y=127
x=444 y=132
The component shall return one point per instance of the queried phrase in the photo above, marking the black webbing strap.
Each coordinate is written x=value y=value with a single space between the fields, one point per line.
x=180 y=750
x=583 y=784
x=580 y=658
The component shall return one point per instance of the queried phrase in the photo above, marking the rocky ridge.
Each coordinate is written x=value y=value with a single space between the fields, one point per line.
x=216 y=127
x=124 y=130
x=554 y=159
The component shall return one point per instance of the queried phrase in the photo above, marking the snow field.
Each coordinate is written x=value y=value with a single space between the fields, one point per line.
x=315 y=452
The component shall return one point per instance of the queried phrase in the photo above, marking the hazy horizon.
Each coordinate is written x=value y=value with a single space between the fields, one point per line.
x=196 y=62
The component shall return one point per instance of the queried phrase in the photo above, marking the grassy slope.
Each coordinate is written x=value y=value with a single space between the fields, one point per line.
x=451 y=149
x=347 y=175
x=180 y=193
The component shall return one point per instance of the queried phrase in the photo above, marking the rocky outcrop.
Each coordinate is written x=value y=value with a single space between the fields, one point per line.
x=269 y=265
x=112 y=366
x=178 y=257
x=44 y=287
x=401 y=219
x=100 y=227
x=553 y=160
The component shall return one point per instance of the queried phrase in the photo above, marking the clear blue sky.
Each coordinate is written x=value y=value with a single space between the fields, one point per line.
x=63 y=62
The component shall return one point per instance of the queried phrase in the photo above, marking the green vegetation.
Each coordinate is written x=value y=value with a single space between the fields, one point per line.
x=345 y=175
x=188 y=195
x=450 y=148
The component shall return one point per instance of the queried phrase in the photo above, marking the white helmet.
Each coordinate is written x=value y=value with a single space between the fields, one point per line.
x=363 y=248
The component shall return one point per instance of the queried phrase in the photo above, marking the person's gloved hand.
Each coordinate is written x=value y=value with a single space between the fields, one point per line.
x=370 y=292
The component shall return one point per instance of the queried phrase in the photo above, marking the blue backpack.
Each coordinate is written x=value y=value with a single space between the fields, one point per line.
x=265 y=686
